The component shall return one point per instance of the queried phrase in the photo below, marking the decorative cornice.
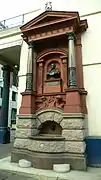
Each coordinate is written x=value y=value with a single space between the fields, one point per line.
x=81 y=91
x=68 y=22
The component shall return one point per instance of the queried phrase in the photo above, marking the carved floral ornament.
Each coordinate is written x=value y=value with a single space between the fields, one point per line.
x=51 y=102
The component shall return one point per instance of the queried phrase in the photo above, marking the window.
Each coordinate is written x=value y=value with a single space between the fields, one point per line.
x=1 y=71
x=15 y=79
x=13 y=116
x=14 y=96
x=1 y=91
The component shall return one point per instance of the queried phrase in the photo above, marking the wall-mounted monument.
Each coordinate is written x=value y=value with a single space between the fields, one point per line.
x=51 y=125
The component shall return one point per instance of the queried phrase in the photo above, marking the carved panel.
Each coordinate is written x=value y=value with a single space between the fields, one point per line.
x=56 y=101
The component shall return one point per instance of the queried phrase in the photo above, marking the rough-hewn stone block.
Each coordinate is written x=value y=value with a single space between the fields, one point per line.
x=40 y=146
x=58 y=117
x=47 y=146
x=43 y=146
x=46 y=116
x=25 y=133
x=73 y=134
x=22 y=143
x=57 y=146
x=26 y=123
x=33 y=146
x=75 y=147
x=72 y=123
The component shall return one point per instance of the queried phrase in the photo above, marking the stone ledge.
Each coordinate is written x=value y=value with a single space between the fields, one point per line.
x=26 y=116
x=75 y=147
x=75 y=135
x=73 y=115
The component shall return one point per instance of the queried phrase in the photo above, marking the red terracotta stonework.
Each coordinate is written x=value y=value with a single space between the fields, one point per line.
x=48 y=32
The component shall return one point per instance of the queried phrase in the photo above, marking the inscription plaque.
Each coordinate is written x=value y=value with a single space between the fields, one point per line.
x=52 y=83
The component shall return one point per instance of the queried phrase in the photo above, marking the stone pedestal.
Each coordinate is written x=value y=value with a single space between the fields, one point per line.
x=75 y=101
x=28 y=103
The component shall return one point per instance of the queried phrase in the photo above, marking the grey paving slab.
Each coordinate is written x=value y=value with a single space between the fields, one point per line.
x=18 y=177
x=4 y=175
x=5 y=149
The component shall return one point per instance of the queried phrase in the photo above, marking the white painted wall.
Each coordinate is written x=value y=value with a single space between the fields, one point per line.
x=91 y=54
x=22 y=73
x=92 y=78
x=82 y=6
x=91 y=51
x=10 y=37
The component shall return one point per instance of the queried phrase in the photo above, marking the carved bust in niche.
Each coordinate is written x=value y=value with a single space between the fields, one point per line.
x=54 y=72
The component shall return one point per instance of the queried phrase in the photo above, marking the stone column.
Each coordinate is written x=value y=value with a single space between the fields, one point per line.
x=29 y=75
x=72 y=62
x=40 y=77
x=65 y=76
x=34 y=70
x=4 y=130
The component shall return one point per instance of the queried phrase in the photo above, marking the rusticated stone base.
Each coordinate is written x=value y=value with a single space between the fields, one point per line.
x=46 y=160
x=45 y=149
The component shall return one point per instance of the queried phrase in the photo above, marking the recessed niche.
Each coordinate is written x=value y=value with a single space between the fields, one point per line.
x=50 y=128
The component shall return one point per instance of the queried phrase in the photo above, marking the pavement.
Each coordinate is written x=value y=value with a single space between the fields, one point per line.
x=5 y=149
x=12 y=171
x=6 y=174
x=9 y=175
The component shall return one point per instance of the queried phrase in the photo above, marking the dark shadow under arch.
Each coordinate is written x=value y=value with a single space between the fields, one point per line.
x=50 y=128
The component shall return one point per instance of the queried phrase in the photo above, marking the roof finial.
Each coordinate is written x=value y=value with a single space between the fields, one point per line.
x=48 y=6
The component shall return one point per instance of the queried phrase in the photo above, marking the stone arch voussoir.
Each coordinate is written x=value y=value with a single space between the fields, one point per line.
x=49 y=115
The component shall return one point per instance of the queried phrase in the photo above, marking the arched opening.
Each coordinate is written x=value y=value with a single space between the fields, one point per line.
x=50 y=128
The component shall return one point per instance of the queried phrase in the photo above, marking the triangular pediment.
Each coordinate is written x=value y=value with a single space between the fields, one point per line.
x=49 y=17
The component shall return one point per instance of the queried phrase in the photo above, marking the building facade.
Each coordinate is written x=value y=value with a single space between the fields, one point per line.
x=12 y=98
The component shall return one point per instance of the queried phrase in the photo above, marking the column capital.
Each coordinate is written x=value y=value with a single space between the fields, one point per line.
x=30 y=44
x=71 y=36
